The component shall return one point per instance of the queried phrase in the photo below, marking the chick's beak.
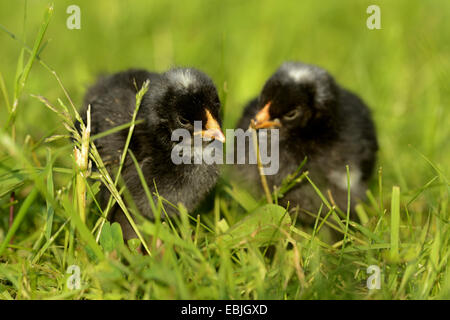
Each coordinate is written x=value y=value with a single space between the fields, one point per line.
x=212 y=129
x=263 y=120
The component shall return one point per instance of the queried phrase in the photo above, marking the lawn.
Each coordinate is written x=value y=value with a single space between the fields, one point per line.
x=236 y=246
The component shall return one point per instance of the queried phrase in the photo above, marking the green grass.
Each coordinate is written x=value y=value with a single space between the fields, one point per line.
x=241 y=248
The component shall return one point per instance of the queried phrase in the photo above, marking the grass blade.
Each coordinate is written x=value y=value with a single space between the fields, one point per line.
x=395 y=223
x=26 y=70
x=19 y=218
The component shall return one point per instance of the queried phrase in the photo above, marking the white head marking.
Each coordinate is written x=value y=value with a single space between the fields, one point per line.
x=183 y=77
x=298 y=74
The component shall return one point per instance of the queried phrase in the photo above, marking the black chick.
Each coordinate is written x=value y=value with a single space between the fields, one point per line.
x=175 y=99
x=318 y=119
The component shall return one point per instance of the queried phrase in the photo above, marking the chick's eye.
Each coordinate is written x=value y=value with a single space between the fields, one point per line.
x=292 y=114
x=183 y=121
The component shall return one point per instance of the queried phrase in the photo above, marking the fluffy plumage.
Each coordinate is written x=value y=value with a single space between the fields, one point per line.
x=321 y=120
x=175 y=99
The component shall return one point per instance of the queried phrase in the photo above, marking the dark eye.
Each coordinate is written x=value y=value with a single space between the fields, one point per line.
x=183 y=121
x=291 y=115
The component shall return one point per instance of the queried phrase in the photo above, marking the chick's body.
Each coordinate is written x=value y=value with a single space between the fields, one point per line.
x=319 y=120
x=174 y=100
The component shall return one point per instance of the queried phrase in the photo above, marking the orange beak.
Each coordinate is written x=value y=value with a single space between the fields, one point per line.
x=212 y=129
x=262 y=119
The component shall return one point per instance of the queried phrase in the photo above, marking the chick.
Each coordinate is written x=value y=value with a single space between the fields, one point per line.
x=322 y=121
x=174 y=100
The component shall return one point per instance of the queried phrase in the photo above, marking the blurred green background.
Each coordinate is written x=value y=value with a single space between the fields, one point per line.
x=401 y=71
